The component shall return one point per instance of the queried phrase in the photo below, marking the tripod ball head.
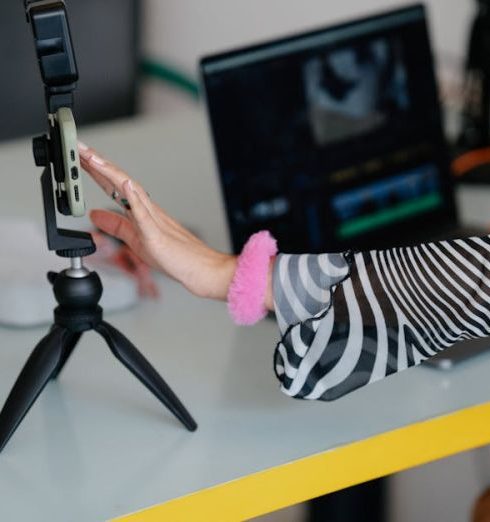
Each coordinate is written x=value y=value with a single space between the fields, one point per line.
x=78 y=299
x=83 y=292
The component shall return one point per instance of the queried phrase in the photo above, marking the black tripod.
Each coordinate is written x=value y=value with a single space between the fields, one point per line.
x=76 y=290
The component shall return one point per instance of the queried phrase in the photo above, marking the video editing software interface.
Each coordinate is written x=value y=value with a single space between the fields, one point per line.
x=333 y=139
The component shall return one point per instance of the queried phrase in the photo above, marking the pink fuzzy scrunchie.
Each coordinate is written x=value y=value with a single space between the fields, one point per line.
x=247 y=290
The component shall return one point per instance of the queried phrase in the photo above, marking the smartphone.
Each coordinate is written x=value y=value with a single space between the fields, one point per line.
x=71 y=161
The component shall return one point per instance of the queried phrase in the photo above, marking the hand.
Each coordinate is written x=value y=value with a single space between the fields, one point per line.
x=154 y=236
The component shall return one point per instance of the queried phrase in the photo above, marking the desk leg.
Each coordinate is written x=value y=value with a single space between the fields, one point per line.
x=363 y=503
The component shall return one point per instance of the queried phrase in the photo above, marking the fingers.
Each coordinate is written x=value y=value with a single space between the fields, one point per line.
x=115 y=225
x=102 y=181
x=139 y=214
x=99 y=166
x=109 y=176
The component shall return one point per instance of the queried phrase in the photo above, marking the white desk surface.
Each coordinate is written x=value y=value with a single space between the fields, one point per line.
x=97 y=445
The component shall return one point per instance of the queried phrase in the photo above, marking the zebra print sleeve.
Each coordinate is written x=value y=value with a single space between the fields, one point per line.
x=351 y=319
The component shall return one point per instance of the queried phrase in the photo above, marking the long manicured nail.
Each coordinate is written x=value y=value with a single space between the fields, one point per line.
x=82 y=145
x=97 y=160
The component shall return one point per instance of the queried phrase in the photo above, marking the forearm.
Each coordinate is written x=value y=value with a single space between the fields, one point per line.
x=395 y=309
x=302 y=284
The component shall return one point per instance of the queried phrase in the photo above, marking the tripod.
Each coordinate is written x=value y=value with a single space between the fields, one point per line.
x=76 y=290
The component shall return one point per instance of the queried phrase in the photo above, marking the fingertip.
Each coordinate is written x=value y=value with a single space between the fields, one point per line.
x=82 y=147
x=97 y=215
x=94 y=212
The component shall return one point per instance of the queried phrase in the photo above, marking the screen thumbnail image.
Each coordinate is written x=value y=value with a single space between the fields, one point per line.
x=355 y=89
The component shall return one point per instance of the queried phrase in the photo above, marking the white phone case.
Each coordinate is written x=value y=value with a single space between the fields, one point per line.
x=71 y=161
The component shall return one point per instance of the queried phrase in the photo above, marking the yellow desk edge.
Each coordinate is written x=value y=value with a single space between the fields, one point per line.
x=329 y=471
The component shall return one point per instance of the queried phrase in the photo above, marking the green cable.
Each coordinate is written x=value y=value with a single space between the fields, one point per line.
x=170 y=75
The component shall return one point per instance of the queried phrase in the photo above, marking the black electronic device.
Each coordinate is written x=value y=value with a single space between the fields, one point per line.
x=76 y=290
x=332 y=139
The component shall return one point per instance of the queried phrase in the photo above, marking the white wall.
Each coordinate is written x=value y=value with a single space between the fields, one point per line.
x=182 y=30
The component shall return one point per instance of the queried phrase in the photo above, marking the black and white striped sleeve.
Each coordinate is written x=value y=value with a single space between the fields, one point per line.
x=350 y=319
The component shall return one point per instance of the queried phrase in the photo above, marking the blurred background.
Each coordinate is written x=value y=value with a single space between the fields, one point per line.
x=140 y=57
x=177 y=33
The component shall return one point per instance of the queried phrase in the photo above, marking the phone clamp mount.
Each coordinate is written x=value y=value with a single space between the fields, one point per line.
x=76 y=289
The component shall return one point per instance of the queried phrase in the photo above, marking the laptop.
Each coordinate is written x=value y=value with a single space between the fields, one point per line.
x=333 y=139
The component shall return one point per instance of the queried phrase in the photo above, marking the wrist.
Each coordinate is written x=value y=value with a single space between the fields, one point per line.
x=219 y=269
x=225 y=272
x=250 y=291
x=269 y=291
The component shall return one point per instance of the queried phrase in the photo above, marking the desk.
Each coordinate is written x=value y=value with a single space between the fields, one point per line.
x=97 y=445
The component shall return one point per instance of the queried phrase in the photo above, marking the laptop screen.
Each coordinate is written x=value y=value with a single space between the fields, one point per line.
x=332 y=139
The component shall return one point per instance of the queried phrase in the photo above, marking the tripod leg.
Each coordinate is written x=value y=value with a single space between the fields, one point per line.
x=37 y=371
x=125 y=351
x=69 y=346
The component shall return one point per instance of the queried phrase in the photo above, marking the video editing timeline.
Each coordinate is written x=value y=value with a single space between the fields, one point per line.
x=387 y=201
x=385 y=190
x=324 y=138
